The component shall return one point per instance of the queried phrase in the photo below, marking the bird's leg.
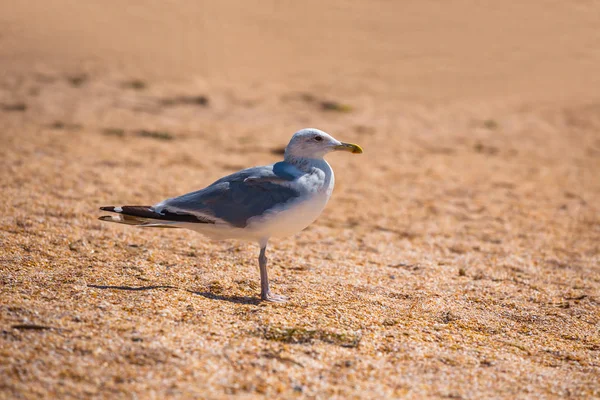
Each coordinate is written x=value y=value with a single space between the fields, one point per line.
x=265 y=292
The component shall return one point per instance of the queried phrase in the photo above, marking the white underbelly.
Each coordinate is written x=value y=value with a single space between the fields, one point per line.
x=289 y=219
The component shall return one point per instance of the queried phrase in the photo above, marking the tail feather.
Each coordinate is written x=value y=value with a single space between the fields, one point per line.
x=136 y=221
x=122 y=219
x=145 y=216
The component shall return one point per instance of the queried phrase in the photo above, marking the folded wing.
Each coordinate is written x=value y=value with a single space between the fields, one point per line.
x=236 y=198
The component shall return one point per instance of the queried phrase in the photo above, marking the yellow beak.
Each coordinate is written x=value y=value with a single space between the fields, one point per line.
x=351 y=147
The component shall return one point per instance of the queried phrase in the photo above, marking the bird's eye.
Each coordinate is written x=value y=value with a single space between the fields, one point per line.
x=318 y=138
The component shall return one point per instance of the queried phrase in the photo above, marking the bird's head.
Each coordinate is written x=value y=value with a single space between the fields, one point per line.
x=314 y=143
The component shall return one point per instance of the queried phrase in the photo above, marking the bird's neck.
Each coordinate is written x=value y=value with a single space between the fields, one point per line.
x=317 y=167
x=306 y=164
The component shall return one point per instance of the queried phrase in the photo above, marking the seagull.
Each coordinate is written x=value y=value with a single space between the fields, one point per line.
x=254 y=204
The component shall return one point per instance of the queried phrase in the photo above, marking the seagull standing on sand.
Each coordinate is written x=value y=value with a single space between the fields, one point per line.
x=253 y=204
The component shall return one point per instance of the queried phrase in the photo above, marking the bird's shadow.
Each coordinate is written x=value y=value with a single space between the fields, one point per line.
x=231 y=299
x=132 y=288
x=207 y=295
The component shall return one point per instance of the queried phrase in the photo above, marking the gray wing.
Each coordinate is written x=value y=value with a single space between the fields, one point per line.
x=238 y=197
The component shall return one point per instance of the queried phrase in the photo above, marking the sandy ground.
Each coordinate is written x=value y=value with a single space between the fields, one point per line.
x=458 y=257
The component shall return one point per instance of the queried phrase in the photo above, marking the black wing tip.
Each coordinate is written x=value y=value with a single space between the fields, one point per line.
x=149 y=213
x=132 y=210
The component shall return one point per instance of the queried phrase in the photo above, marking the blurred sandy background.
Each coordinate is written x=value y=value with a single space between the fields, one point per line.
x=458 y=257
x=541 y=50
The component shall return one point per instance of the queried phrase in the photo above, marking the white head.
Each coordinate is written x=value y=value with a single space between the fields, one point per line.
x=313 y=143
